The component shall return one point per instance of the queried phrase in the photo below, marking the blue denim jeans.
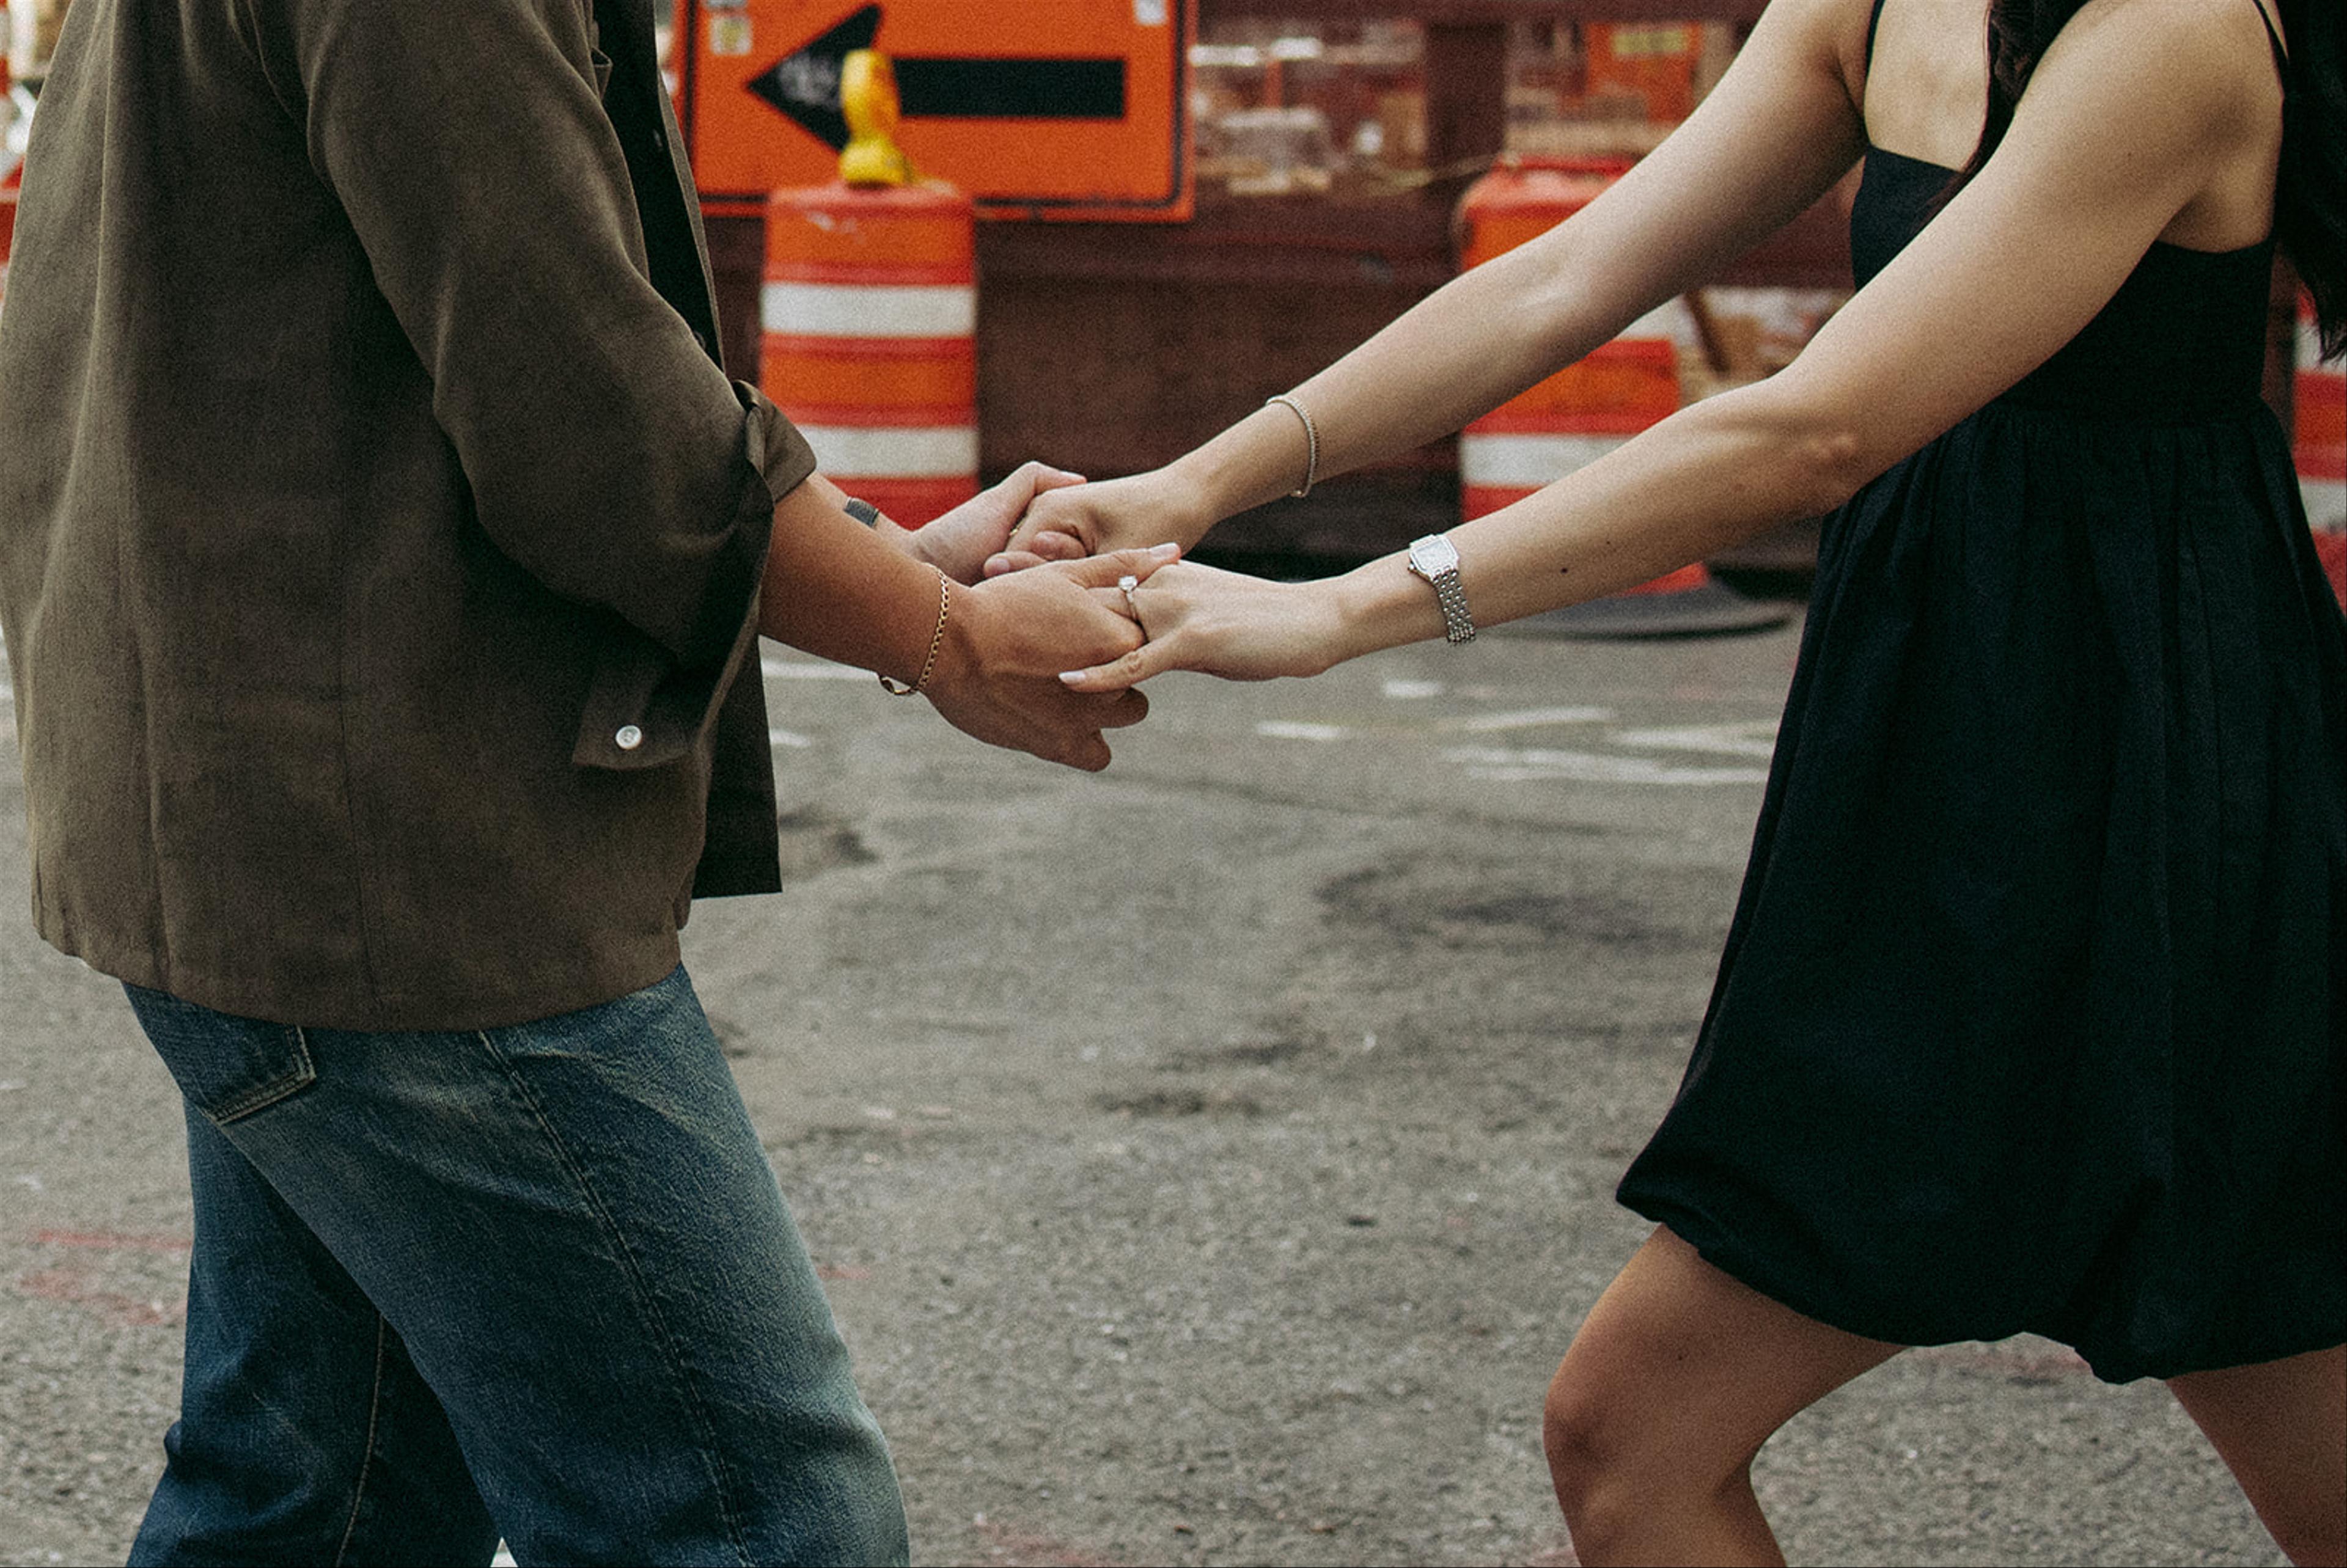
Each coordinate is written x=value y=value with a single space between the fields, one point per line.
x=536 y=1282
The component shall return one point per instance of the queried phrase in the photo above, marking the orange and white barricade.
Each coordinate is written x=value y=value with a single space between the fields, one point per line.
x=7 y=234
x=871 y=317
x=2318 y=399
x=10 y=188
x=1585 y=410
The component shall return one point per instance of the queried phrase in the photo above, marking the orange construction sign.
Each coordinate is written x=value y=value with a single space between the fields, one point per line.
x=1041 y=108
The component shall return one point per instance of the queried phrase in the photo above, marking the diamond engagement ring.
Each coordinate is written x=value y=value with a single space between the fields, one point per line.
x=1125 y=585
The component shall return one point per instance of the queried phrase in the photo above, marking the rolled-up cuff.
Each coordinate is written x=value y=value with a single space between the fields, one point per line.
x=787 y=461
x=645 y=710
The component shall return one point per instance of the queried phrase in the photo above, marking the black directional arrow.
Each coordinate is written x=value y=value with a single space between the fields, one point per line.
x=804 y=85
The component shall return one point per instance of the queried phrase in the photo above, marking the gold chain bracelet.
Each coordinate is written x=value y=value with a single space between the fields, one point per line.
x=937 y=640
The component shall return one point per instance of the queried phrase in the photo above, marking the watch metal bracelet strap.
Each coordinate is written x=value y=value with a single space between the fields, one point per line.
x=864 y=512
x=1436 y=560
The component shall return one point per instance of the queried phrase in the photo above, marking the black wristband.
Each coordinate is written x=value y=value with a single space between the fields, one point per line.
x=864 y=512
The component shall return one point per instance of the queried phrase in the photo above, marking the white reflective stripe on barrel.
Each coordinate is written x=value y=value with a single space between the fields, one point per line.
x=1527 y=462
x=1672 y=322
x=2326 y=504
x=918 y=452
x=870 y=309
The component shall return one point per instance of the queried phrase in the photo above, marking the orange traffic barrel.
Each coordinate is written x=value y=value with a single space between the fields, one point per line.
x=7 y=234
x=2318 y=399
x=870 y=315
x=1583 y=410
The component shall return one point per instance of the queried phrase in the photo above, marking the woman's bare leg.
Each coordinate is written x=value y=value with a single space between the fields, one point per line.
x=1678 y=1376
x=2281 y=1427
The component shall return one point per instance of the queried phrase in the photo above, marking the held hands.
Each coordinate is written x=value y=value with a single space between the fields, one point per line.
x=1006 y=640
x=1072 y=522
x=1184 y=616
x=959 y=543
x=1218 y=622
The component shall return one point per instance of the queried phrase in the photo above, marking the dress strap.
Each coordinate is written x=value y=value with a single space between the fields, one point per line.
x=2281 y=55
x=1874 y=24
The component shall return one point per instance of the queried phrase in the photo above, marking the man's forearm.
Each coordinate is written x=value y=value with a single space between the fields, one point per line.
x=833 y=587
x=888 y=528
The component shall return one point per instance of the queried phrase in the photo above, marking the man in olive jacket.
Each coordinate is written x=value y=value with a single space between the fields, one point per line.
x=382 y=555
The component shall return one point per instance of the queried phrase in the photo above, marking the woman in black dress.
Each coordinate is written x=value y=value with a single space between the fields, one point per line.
x=2034 y=1014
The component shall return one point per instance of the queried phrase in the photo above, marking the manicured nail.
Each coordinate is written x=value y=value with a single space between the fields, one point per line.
x=1165 y=552
x=1071 y=676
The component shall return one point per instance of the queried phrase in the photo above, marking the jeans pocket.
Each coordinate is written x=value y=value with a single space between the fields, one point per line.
x=228 y=1066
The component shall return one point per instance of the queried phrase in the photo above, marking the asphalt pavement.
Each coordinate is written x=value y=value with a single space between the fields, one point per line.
x=1208 y=1159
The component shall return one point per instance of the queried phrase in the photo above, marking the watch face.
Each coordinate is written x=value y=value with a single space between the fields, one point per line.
x=1433 y=555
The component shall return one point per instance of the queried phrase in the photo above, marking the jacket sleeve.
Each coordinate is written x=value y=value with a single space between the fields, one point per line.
x=605 y=452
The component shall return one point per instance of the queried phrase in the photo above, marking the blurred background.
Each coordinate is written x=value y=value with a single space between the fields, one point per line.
x=1184 y=206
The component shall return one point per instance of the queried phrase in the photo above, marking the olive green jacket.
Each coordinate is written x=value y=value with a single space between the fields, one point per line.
x=379 y=540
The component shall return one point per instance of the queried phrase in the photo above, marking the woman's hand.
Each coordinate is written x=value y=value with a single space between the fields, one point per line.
x=1221 y=623
x=1070 y=523
x=959 y=543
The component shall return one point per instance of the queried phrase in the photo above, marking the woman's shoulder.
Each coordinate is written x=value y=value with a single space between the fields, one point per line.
x=2205 y=65
x=2190 y=82
x=2213 y=41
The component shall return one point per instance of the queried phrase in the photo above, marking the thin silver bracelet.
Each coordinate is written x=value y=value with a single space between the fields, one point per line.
x=1311 y=443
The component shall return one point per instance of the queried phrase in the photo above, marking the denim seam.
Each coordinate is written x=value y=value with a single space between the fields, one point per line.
x=270 y=1093
x=707 y=1429
x=367 y=1457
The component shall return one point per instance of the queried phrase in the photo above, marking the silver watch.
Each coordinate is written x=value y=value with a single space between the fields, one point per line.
x=1436 y=558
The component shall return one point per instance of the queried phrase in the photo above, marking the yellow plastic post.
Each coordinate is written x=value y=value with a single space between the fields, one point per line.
x=868 y=98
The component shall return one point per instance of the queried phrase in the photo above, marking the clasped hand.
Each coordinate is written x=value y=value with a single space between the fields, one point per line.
x=1006 y=640
x=1184 y=616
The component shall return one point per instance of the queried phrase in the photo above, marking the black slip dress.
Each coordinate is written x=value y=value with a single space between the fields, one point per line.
x=2033 y=1012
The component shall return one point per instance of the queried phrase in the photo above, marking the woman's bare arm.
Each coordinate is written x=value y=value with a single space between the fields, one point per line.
x=1774 y=135
x=2139 y=107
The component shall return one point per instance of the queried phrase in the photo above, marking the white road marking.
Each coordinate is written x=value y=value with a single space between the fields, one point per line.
x=1755 y=739
x=809 y=670
x=791 y=738
x=1530 y=719
x=1408 y=691
x=1289 y=730
x=1590 y=767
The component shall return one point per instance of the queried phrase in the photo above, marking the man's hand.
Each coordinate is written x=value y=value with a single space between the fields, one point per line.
x=958 y=543
x=1006 y=640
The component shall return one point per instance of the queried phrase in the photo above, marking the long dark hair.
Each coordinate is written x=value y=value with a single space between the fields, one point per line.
x=2311 y=197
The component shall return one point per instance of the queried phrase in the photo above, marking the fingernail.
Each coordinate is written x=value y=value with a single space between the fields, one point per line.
x=1071 y=676
x=1165 y=552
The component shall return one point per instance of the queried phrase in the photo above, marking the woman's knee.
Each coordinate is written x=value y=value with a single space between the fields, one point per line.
x=1601 y=1444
